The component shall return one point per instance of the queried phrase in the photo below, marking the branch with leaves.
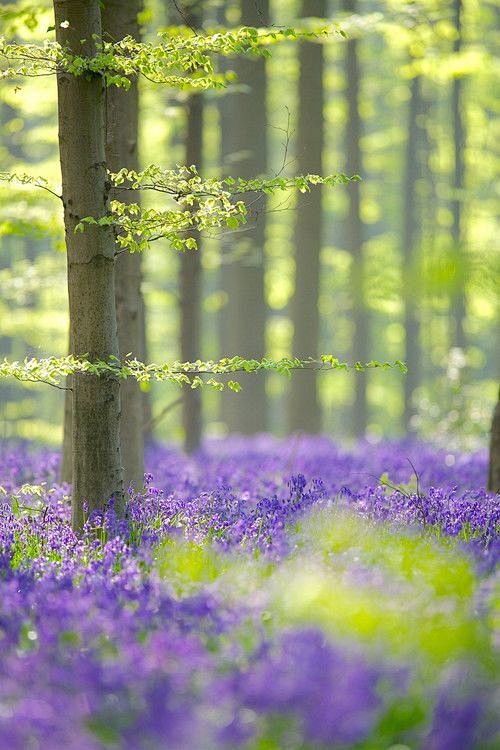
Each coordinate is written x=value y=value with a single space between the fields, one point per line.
x=197 y=203
x=205 y=205
x=181 y=59
x=53 y=370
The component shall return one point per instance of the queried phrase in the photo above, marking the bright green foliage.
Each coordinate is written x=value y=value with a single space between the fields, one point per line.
x=21 y=178
x=53 y=369
x=27 y=498
x=202 y=204
x=14 y=17
x=419 y=603
x=180 y=60
x=24 y=215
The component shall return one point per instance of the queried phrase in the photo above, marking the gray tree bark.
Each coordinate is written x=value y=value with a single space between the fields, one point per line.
x=119 y=19
x=190 y=270
x=244 y=152
x=304 y=408
x=97 y=471
x=494 y=463
x=354 y=229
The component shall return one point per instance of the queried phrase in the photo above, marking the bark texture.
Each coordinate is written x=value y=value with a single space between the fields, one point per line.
x=190 y=270
x=244 y=153
x=304 y=408
x=494 y=465
x=354 y=229
x=97 y=471
x=119 y=19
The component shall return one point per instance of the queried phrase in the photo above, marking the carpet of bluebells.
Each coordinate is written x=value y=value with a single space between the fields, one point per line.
x=261 y=595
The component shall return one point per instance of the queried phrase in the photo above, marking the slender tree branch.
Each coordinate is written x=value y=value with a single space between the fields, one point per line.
x=186 y=17
x=39 y=380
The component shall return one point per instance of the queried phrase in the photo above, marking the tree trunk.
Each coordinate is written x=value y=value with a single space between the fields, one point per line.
x=411 y=320
x=66 y=469
x=190 y=271
x=147 y=408
x=304 y=408
x=459 y=138
x=494 y=465
x=354 y=229
x=244 y=152
x=97 y=471
x=119 y=19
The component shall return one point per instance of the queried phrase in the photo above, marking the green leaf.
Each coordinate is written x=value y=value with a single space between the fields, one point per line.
x=232 y=222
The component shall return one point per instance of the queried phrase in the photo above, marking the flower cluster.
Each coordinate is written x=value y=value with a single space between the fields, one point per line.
x=259 y=594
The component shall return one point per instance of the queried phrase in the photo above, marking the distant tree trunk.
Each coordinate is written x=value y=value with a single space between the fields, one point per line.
x=97 y=471
x=304 y=408
x=410 y=233
x=147 y=410
x=119 y=19
x=354 y=228
x=244 y=152
x=190 y=270
x=494 y=465
x=459 y=139
x=66 y=469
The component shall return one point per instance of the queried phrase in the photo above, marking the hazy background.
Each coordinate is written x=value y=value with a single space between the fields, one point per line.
x=411 y=272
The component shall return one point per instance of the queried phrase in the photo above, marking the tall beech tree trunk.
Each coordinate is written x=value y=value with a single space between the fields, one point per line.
x=244 y=152
x=459 y=138
x=190 y=270
x=354 y=229
x=119 y=19
x=494 y=465
x=410 y=232
x=304 y=409
x=97 y=470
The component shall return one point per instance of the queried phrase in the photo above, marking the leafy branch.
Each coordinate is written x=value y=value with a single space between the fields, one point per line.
x=181 y=59
x=21 y=178
x=53 y=369
x=203 y=204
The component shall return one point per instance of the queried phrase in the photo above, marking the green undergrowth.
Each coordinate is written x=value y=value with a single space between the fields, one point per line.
x=392 y=589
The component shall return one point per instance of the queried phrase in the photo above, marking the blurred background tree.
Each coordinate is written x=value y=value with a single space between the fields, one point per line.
x=243 y=151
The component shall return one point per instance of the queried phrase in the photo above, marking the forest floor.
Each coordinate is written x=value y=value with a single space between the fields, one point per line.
x=262 y=595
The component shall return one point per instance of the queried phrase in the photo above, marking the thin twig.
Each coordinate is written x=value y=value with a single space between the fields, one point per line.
x=52 y=192
x=416 y=475
x=39 y=380
x=186 y=18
